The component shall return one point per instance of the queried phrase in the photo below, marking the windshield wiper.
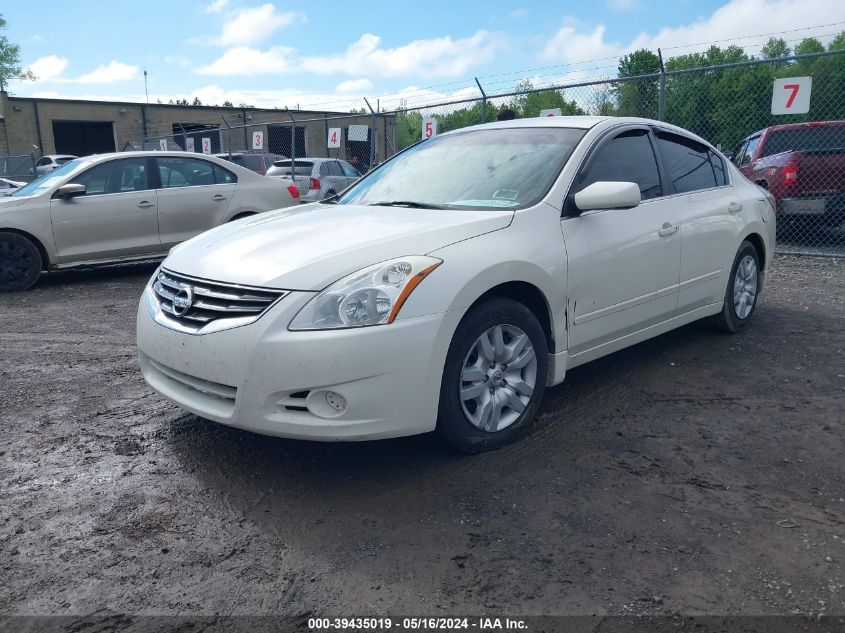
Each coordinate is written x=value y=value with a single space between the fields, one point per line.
x=411 y=204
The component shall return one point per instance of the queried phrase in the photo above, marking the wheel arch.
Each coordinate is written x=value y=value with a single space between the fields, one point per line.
x=531 y=297
x=759 y=245
x=46 y=263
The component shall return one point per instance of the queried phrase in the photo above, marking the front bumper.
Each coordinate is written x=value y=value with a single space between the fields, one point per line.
x=264 y=378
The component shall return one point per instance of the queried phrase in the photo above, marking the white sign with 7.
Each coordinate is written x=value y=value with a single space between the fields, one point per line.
x=792 y=95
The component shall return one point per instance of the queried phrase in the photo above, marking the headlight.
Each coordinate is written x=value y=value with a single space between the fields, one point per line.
x=372 y=296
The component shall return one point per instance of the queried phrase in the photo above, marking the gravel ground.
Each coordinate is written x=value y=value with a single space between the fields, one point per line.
x=697 y=473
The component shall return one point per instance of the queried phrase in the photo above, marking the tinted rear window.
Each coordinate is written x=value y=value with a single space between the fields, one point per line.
x=302 y=169
x=688 y=163
x=822 y=137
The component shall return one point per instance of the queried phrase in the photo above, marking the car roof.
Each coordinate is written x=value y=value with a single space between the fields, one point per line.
x=584 y=122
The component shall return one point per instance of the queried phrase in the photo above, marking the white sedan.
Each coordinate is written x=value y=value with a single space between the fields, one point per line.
x=449 y=287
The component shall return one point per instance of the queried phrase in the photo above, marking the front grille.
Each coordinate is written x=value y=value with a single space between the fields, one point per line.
x=210 y=301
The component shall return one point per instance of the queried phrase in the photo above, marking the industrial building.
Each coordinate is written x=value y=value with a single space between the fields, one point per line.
x=37 y=126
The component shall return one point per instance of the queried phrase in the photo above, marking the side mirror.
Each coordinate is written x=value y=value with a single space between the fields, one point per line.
x=608 y=195
x=70 y=190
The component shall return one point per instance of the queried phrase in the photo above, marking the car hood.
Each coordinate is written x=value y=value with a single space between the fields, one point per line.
x=309 y=247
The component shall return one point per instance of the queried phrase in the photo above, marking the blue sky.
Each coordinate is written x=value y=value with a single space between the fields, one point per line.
x=286 y=53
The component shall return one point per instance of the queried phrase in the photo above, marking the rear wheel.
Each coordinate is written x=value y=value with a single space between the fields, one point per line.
x=20 y=262
x=742 y=291
x=494 y=377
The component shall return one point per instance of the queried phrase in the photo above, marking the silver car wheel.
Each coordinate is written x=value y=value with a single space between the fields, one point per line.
x=498 y=377
x=745 y=287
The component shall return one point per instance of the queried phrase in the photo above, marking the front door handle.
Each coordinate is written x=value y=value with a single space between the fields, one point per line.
x=735 y=207
x=145 y=204
x=668 y=229
x=218 y=197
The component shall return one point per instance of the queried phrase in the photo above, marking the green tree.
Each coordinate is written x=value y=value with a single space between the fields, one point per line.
x=10 y=61
x=638 y=97
x=408 y=128
x=808 y=46
x=774 y=48
x=197 y=101
x=227 y=104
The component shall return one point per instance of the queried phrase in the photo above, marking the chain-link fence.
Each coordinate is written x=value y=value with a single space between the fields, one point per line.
x=743 y=106
x=362 y=140
x=18 y=168
x=799 y=158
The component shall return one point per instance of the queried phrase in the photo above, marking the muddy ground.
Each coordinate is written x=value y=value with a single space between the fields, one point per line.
x=697 y=473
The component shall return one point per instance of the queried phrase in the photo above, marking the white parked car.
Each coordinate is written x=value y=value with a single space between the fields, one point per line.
x=449 y=287
x=51 y=161
x=8 y=187
x=124 y=206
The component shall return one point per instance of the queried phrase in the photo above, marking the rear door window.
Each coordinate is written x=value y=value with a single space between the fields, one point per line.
x=748 y=151
x=687 y=162
x=184 y=172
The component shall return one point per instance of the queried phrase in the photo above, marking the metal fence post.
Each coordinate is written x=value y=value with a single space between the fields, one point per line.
x=483 y=102
x=661 y=95
x=292 y=145
x=372 y=133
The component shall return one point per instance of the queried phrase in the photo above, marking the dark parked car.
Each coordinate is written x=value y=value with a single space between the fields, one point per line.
x=803 y=166
x=258 y=162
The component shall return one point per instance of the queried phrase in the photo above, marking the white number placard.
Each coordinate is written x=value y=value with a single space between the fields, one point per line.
x=792 y=95
x=206 y=145
x=429 y=127
x=189 y=144
x=550 y=112
x=258 y=140
x=334 y=137
x=162 y=144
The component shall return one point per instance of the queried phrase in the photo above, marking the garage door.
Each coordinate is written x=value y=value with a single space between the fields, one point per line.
x=82 y=138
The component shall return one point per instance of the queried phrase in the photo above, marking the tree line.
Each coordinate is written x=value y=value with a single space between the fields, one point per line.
x=722 y=105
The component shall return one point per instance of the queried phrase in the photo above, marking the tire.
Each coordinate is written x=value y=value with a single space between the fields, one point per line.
x=20 y=262
x=743 y=282
x=468 y=371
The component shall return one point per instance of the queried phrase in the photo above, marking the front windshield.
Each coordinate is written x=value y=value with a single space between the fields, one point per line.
x=47 y=181
x=479 y=169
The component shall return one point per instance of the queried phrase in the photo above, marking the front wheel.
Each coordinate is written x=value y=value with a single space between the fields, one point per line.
x=742 y=291
x=494 y=377
x=20 y=262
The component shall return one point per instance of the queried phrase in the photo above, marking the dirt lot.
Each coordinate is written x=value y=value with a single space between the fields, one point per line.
x=696 y=473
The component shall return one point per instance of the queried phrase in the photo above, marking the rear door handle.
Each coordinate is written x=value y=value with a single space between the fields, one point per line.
x=218 y=197
x=668 y=229
x=735 y=207
x=145 y=204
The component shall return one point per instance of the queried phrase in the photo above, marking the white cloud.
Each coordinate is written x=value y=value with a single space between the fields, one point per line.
x=518 y=14
x=250 y=26
x=439 y=57
x=354 y=85
x=109 y=73
x=243 y=60
x=736 y=19
x=216 y=6
x=49 y=67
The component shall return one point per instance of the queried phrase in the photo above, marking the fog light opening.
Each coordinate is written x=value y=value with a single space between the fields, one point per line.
x=336 y=401
x=326 y=403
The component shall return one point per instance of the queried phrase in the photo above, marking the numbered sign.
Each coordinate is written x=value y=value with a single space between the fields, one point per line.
x=334 y=137
x=189 y=145
x=206 y=145
x=258 y=140
x=162 y=144
x=792 y=95
x=429 y=128
x=550 y=112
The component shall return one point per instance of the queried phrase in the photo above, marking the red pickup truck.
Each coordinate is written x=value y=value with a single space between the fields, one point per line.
x=803 y=167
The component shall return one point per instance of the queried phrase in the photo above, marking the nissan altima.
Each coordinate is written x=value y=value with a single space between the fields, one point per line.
x=449 y=287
